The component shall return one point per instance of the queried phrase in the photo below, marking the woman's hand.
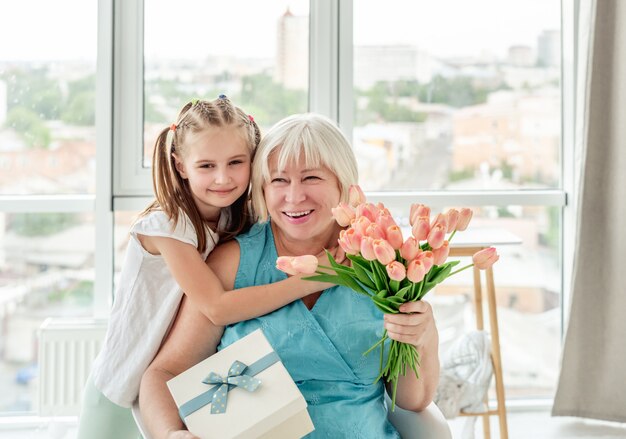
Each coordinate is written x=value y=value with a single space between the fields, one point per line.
x=415 y=324
x=181 y=434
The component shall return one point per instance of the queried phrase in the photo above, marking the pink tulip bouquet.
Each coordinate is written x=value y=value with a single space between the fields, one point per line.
x=389 y=269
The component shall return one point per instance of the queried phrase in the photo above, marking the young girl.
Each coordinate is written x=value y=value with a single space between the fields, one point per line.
x=201 y=176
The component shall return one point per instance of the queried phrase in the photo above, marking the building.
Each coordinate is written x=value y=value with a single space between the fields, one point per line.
x=549 y=48
x=521 y=56
x=516 y=131
x=292 y=55
x=394 y=63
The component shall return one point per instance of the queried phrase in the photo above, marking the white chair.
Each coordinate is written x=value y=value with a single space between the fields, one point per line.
x=427 y=424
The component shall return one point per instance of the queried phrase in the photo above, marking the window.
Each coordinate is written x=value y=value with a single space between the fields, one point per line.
x=47 y=156
x=466 y=103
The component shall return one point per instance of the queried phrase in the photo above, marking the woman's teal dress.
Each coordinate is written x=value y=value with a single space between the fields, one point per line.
x=322 y=348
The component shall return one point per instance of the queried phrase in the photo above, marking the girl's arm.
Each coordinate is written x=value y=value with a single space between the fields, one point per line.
x=205 y=290
x=415 y=324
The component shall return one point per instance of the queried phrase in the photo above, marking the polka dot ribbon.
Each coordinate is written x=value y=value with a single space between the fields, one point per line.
x=239 y=375
x=235 y=378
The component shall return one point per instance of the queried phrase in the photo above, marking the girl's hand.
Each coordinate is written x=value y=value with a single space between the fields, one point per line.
x=414 y=325
x=322 y=259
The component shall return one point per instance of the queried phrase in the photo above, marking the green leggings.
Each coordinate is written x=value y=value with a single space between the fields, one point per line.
x=102 y=419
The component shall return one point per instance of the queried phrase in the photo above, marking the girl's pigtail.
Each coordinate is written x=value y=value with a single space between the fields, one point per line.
x=256 y=136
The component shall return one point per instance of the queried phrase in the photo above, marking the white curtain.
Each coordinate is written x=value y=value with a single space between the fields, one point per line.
x=592 y=383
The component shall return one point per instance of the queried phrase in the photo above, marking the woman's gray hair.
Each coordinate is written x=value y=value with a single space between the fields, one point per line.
x=318 y=139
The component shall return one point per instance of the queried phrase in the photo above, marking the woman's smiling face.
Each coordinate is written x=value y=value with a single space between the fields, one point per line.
x=299 y=201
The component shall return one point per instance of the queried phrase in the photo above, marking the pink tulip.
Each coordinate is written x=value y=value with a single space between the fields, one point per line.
x=367 y=248
x=343 y=214
x=465 y=215
x=384 y=251
x=452 y=217
x=441 y=254
x=440 y=219
x=436 y=236
x=385 y=220
x=416 y=271
x=367 y=210
x=396 y=271
x=374 y=231
x=360 y=224
x=485 y=258
x=427 y=258
x=306 y=264
x=418 y=210
x=394 y=236
x=355 y=195
x=350 y=241
x=421 y=228
x=410 y=248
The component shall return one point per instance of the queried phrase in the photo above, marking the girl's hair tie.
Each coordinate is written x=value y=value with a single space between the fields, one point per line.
x=251 y=118
x=222 y=97
x=173 y=127
x=194 y=102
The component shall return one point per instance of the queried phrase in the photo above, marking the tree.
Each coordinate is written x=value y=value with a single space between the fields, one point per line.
x=80 y=105
x=41 y=224
x=81 y=109
x=33 y=90
x=267 y=101
x=383 y=104
x=30 y=126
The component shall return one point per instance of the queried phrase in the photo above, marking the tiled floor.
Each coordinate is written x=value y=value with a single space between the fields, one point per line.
x=522 y=425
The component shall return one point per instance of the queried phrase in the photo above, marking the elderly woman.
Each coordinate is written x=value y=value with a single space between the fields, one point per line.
x=303 y=167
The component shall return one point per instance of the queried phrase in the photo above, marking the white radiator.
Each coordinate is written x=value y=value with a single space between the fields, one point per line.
x=67 y=347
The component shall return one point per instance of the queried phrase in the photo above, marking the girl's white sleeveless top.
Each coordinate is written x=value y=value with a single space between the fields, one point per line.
x=145 y=304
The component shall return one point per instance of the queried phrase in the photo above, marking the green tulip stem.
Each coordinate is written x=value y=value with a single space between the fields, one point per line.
x=460 y=269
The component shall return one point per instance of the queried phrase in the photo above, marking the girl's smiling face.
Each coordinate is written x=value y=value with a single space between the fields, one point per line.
x=216 y=163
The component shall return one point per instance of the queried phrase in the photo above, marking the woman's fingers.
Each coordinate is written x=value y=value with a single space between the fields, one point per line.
x=411 y=324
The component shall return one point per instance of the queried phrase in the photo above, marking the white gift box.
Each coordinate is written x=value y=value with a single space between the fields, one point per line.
x=276 y=409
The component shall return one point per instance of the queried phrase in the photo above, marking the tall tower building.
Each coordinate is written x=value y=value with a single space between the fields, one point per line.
x=549 y=48
x=292 y=56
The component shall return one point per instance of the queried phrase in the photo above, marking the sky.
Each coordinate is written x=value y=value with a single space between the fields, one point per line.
x=193 y=28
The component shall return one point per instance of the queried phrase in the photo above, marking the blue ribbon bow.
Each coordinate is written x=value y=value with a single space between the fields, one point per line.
x=235 y=378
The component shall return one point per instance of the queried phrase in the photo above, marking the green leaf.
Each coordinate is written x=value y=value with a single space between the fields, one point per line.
x=380 y=275
x=352 y=283
x=402 y=292
x=394 y=285
x=363 y=274
x=330 y=278
x=442 y=273
x=396 y=300
x=384 y=305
